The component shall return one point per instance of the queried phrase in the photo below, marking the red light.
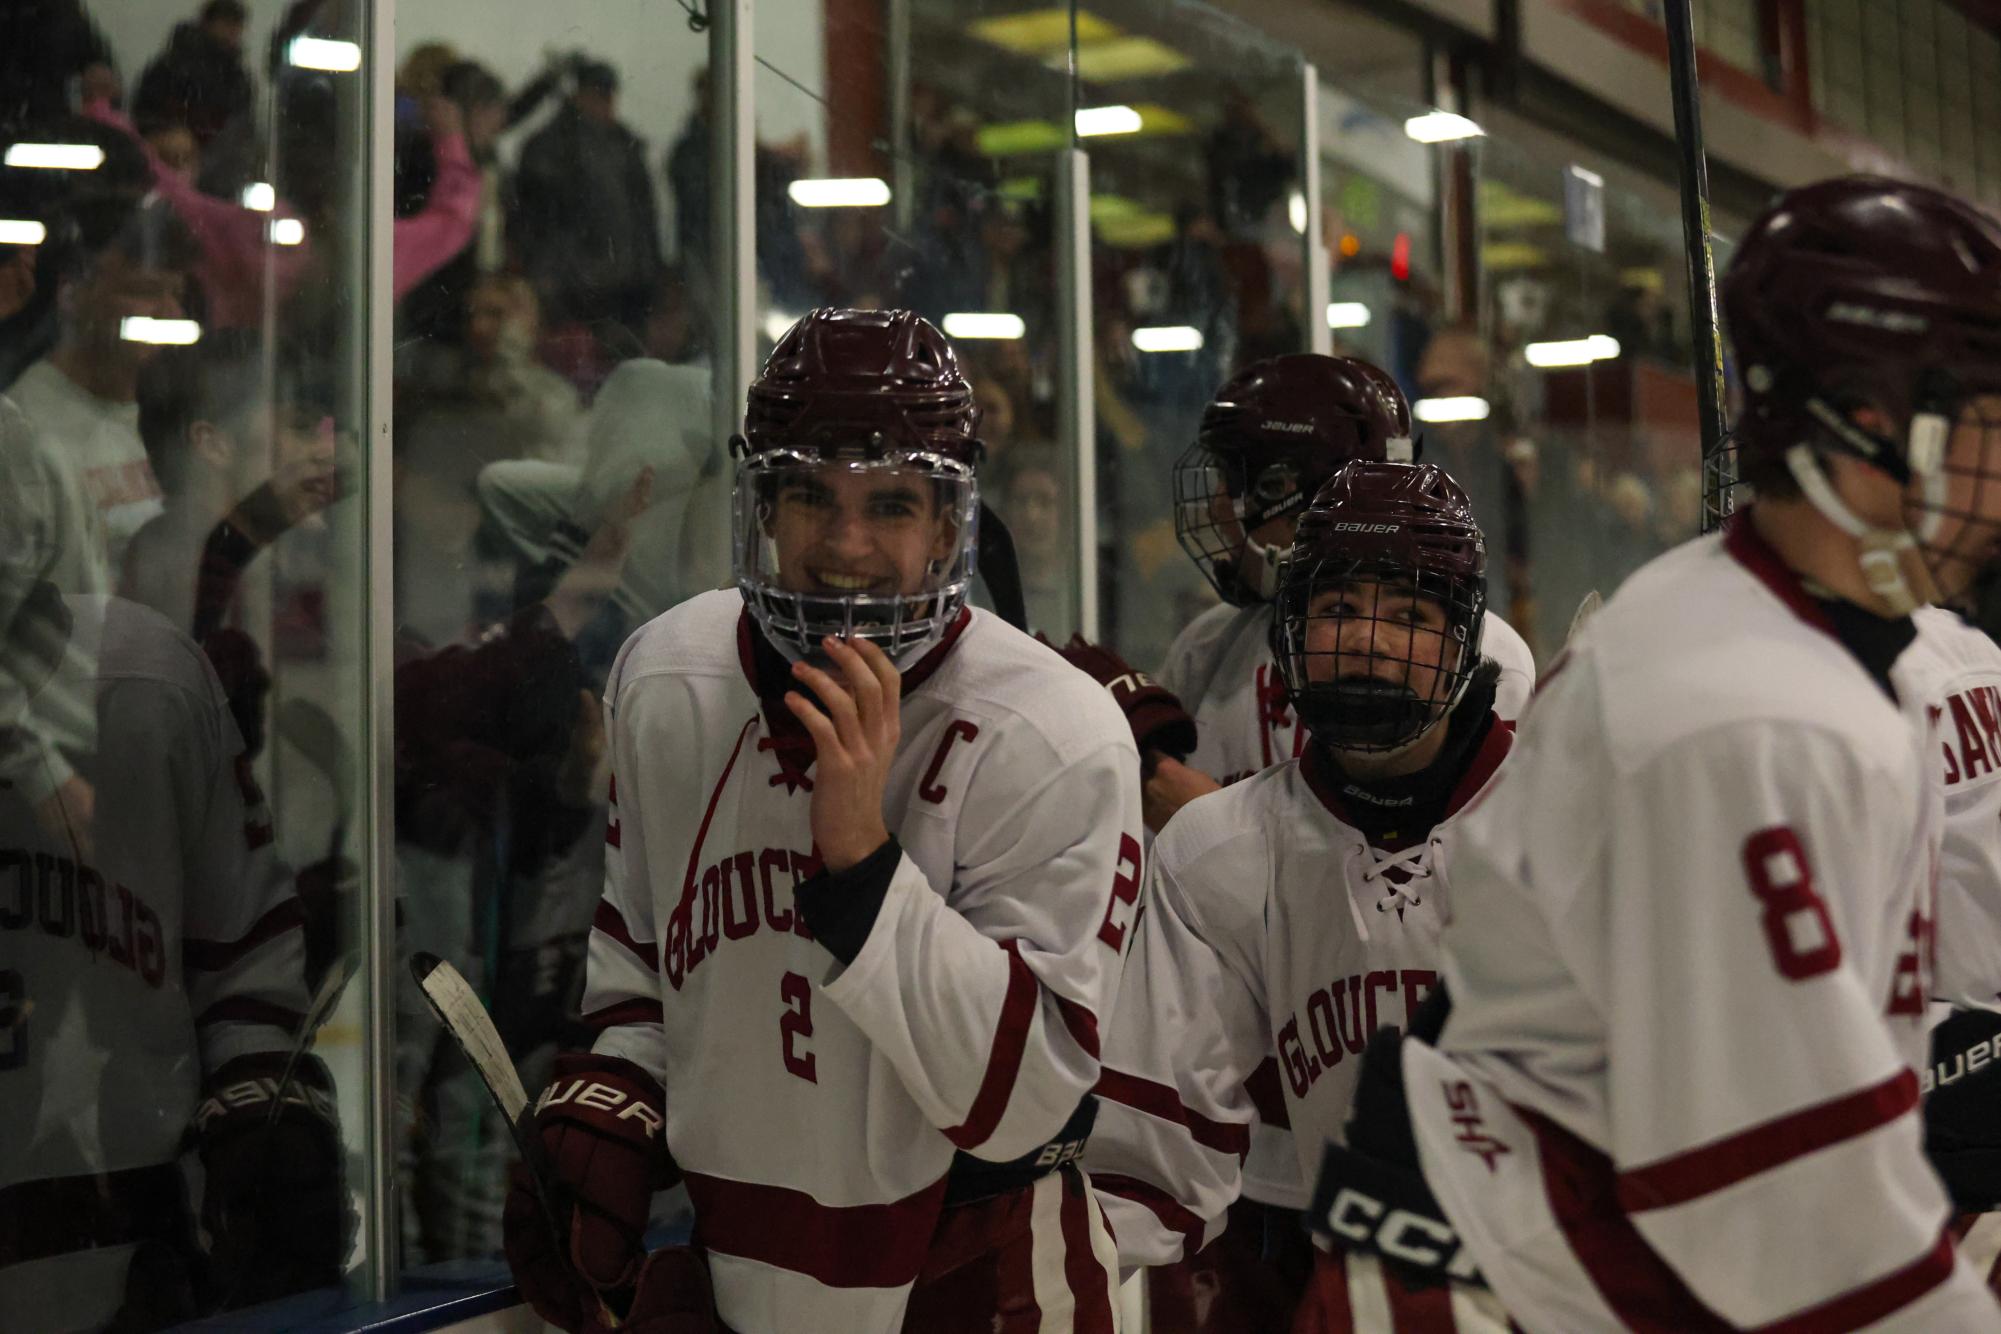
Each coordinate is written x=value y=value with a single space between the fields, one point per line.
x=1400 y=257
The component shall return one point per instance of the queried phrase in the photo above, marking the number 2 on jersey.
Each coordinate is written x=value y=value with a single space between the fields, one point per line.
x=797 y=1022
x=1125 y=889
x=1776 y=865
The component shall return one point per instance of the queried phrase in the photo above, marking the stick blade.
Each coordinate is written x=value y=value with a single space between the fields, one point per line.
x=458 y=1008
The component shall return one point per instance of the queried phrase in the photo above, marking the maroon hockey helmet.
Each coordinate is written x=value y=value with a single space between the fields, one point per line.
x=1272 y=435
x=863 y=414
x=1381 y=605
x=1866 y=291
x=861 y=381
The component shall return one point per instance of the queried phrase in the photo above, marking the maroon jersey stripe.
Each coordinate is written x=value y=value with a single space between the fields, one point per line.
x=1165 y=1207
x=215 y=955
x=852 y=1246
x=1725 y=1162
x=608 y=920
x=1004 y=1058
x=1090 y=1285
x=1143 y=1095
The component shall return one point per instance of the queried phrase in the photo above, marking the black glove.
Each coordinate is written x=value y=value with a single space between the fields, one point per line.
x=1372 y=1196
x=1963 y=1108
x=274 y=1203
x=1156 y=716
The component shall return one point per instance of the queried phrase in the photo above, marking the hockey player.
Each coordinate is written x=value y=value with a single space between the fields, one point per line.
x=1692 y=939
x=873 y=860
x=151 y=997
x=1302 y=906
x=1271 y=437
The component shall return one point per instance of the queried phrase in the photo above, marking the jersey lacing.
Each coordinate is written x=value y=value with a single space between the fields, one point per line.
x=1402 y=876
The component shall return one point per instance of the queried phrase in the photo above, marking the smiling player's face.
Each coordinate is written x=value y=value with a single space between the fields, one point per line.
x=871 y=532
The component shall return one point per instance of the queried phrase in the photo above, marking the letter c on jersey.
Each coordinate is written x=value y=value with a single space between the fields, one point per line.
x=958 y=729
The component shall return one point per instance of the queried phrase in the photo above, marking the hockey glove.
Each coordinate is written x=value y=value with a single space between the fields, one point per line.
x=600 y=1124
x=1157 y=718
x=274 y=1203
x=1372 y=1195
x=1963 y=1108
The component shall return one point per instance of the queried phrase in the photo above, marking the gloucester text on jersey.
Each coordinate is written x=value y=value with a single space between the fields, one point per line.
x=1340 y=1018
x=734 y=899
x=68 y=900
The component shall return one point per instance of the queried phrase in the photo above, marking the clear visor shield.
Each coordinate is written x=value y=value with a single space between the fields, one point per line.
x=875 y=549
x=1371 y=658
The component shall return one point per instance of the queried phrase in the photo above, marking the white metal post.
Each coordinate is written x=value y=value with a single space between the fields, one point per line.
x=733 y=207
x=1077 y=422
x=1319 y=336
x=379 y=705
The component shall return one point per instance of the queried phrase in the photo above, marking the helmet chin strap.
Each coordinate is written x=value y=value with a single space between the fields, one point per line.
x=1889 y=556
x=1259 y=569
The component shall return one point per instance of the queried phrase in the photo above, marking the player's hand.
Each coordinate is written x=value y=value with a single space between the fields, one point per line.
x=854 y=740
x=606 y=1153
x=1169 y=787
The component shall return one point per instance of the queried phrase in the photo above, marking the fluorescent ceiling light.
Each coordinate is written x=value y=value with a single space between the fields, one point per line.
x=1120 y=58
x=1572 y=352
x=984 y=324
x=260 y=197
x=1168 y=338
x=1466 y=409
x=1347 y=315
x=22 y=231
x=287 y=231
x=1295 y=212
x=146 y=329
x=59 y=157
x=840 y=192
x=335 y=57
x=776 y=323
x=1439 y=127
x=1107 y=120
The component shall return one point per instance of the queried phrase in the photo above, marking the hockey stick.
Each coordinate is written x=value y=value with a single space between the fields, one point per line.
x=1001 y=569
x=458 y=1008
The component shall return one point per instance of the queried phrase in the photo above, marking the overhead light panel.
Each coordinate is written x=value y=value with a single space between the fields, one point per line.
x=164 y=333
x=984 y=324
x=840 y=192
x=1441 y=127
x=1120 y=58
x=1093 y=121
x=1572 y=352
x=259 y=197
x=1347 y=315
x=55 y=157
x=1295 y=212
x=287 y=231
x=1462 y=409
x=22 y=231
x=324 y=53
x=1168 y=338
x=1037 y=32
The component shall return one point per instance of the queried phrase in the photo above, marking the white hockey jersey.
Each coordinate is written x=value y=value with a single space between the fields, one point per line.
x=1956 y=670
x=1271 y=922
x=1221 y=668
x=134 y=968
x=816 y=1108
x=1689 y=959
